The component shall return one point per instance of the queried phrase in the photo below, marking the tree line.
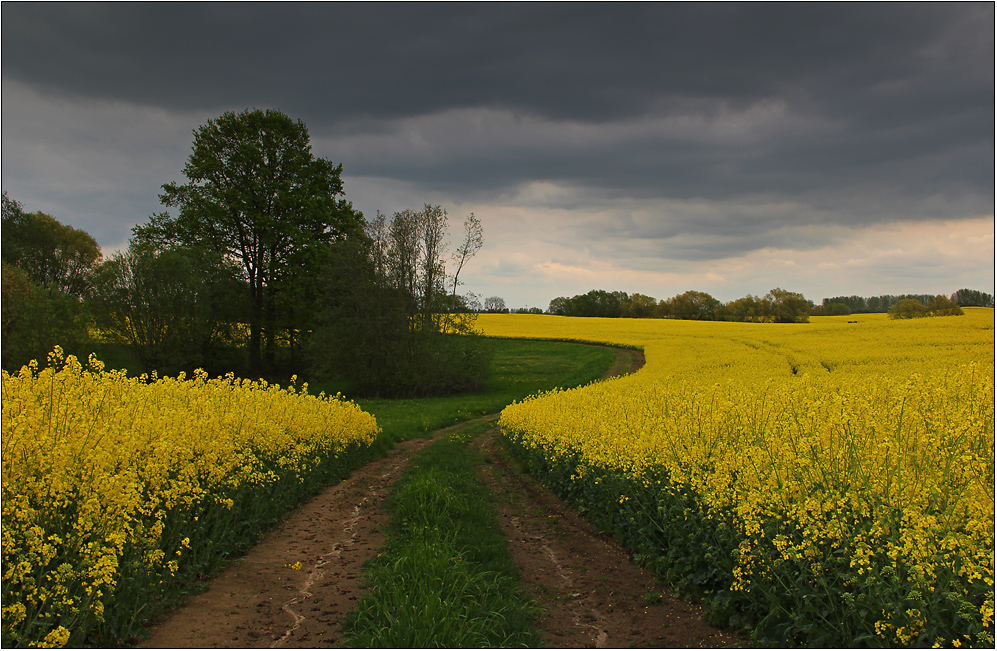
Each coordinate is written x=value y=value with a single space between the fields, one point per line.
x=860 y=304
x=777 y=306
x=264 y=270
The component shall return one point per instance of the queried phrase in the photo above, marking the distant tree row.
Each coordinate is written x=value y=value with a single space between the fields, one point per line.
x=910 y=308
x=972 y=298
x=859 y=304
x=778 y=306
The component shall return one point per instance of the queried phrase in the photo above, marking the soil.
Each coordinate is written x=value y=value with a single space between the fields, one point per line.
x=592 y=596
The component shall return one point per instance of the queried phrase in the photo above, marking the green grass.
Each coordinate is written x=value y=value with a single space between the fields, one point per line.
x=445 y=577
x=519 y=368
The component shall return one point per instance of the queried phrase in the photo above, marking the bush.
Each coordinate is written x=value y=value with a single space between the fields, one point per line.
x=36 y=319
x=908 y=308
x=944 y=306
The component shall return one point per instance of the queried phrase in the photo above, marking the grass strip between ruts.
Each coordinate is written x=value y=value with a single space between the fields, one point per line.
x=445 y=577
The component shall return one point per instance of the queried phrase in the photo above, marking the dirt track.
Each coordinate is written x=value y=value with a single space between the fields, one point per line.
x=260 y=601
x=593 y=596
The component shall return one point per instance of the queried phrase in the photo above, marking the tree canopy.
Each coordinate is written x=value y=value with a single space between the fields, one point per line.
x=690 y=305
x=597 y=302
x=47 y=268
x=910 y=308
x=52 y=254
x=257 y=194
x=495 y=304
x=35 y=319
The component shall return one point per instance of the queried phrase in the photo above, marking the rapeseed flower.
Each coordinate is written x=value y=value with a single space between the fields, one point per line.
x=110 y=480
x=841 y=459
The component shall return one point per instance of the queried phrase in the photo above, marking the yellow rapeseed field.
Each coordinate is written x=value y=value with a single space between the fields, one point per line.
x=113 y=487
x=829 y=483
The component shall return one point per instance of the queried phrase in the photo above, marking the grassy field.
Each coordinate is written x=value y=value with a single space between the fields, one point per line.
x=519 y=368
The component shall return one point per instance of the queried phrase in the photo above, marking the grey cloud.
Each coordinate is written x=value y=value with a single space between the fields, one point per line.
x=589 y=62
x=850 y=113
x=813 y=163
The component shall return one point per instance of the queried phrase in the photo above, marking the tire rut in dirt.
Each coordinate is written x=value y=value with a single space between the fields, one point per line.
x=593 y=595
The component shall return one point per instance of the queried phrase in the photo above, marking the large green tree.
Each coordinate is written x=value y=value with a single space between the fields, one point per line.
x=47 y=267
x=908 y=308
x=597 y=302
x=787 y=307
x=690 y=305
x=640 y=306
x=257 y=194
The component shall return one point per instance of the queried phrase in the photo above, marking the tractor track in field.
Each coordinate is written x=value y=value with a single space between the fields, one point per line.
x=591 y=594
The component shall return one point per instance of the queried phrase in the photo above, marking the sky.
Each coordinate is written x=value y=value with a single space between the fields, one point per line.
x=652 y=148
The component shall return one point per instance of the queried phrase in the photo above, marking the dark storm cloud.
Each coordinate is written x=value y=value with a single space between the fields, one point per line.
x=589 y=62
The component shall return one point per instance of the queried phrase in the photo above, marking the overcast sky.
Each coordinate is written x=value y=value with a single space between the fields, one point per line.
x=652 y=148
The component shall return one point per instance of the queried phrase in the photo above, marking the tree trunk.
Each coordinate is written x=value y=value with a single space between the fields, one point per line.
x=255 y=334
x=271 y=332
